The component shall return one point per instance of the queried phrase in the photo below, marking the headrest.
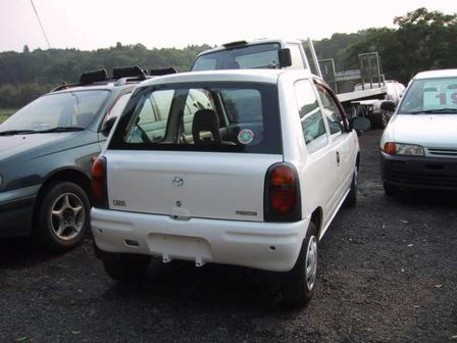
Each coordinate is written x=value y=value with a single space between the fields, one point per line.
x=206 y=120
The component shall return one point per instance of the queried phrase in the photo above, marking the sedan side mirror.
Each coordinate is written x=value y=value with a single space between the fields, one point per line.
x=388 y=105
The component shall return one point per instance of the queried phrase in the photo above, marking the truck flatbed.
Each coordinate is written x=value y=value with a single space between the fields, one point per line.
x=374 y=93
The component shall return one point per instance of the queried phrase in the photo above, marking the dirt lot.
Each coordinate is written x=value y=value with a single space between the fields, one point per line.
x=387 y=272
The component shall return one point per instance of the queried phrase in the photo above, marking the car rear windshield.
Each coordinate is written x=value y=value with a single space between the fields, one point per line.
x=244 y=57
x=431 y=96
x=219 y=117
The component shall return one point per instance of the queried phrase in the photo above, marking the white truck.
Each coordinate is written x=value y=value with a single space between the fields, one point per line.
x=289 y=54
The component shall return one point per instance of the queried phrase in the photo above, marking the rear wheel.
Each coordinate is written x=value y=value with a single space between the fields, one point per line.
x=298 y=284
x=126 y=268
x=63 y=216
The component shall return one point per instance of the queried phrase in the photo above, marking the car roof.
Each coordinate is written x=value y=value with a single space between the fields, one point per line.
x=436 y=74
x=227 y=75
x=126 y=77
x=106 y=86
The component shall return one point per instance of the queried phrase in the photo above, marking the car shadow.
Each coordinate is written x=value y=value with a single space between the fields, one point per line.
x=21 y=252
x=179 y=283
x=431 y=198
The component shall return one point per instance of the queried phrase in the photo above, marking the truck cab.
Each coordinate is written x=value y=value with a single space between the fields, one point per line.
x=258 y=54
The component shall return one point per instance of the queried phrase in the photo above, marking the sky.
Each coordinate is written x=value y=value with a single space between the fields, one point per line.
x=94 y=24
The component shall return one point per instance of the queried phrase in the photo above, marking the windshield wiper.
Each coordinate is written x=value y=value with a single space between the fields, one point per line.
x=16 y=132
x=62 y=129
x=436 y=111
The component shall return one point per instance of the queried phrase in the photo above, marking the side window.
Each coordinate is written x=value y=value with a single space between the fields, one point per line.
x=331 y=111
x=118 y=107
x=312 y=121
x=196 y=100
x=151 y=118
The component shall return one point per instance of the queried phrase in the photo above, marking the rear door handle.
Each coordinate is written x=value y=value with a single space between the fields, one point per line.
x=337 y=158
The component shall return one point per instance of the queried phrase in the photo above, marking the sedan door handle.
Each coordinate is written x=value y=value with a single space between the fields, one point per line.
x=338 y=158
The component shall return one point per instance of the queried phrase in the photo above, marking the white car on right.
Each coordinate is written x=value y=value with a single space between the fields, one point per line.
x=419 y=145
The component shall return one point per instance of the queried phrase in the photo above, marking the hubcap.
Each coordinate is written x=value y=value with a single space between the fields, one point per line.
x=67 y=216
x=311 y=263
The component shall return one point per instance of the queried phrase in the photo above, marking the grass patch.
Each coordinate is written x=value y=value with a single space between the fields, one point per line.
x=5 y=113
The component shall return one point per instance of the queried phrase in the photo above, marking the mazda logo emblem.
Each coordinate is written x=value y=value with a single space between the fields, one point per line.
x=178 y=181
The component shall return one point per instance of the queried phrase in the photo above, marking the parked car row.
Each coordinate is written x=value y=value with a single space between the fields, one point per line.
x=246 y=167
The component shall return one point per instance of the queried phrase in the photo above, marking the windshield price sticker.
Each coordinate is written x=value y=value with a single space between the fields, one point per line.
x=434 y=100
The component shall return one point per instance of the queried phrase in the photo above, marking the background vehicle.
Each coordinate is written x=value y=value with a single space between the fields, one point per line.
x=372 y=108
x=244 y=167
x=290 y=54
x=419 y=145
x=46 y=152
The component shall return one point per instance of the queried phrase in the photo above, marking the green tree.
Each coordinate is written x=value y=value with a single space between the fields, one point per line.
x=25 y=76
x=424 y=40
x=428 y=41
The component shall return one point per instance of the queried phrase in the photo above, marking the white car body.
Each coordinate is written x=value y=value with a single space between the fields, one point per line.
x=430 y=128
x=209 y=206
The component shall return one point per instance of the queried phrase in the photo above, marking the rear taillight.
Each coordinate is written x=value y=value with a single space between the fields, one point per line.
x=98 y=184
x=282 y=194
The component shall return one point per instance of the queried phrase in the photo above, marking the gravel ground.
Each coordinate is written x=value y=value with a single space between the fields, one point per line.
x=387 y=273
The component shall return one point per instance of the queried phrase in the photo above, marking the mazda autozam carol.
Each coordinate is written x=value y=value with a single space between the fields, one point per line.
x=239 y=167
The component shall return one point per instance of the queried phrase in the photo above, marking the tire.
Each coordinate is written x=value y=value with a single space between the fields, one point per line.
x=63 y=216
x=351 y=198
x=390 y=190
x=126 y=268
x=298 y=284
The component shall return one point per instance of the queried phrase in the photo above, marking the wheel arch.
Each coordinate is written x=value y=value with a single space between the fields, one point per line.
x=316 y=219
x=67 y=175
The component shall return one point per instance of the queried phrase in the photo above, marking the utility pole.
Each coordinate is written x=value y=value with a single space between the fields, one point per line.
x=41 y=25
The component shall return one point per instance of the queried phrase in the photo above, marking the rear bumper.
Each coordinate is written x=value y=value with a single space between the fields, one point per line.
x=419 y=172
x=267 y=246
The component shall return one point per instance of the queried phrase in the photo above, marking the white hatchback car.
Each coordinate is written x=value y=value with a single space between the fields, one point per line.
x=419 y=145
x=244 y=167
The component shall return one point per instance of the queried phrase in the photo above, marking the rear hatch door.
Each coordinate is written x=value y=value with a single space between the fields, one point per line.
x=188 y=185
